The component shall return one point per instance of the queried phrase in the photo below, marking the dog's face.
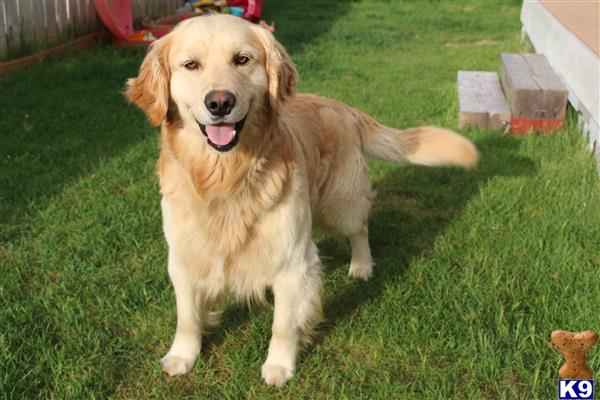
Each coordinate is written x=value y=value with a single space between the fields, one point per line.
x=219 y=72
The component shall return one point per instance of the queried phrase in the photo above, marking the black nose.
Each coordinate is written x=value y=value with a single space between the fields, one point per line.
x=219 y=102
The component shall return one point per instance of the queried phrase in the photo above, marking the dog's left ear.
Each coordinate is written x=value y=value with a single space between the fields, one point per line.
x=150 y=89
x=281 y=71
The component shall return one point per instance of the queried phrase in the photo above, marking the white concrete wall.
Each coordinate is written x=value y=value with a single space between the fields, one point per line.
x=577 y=64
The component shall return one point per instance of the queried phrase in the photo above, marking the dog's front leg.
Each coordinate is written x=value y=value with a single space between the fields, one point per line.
x=297 y=292
x=191 y=312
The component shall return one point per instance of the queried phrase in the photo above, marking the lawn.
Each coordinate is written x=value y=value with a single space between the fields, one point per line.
x=474 y=268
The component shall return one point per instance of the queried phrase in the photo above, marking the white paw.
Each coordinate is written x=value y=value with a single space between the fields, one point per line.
x=175 y=365
x=275 y=375
x=361 y=270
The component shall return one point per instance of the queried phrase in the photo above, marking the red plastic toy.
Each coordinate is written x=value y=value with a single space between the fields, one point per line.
x=253 y=8
x=117 y=16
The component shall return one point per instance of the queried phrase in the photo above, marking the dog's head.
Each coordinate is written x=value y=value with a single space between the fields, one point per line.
x=219 y=72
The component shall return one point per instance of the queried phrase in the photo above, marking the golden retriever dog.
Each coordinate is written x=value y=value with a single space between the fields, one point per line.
x=247 y=167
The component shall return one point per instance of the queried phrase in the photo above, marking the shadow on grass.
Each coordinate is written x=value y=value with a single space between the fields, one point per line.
x=413 y=206
x=301 y=22
x=58 y=121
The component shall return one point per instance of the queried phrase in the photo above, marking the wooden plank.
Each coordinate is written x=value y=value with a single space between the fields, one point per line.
x=84 y=23
x=154 y=9
x=91 y=16
x=554 y=92
x=13 y=39
x=26 y=23
x=542 y=72
x=74 y=19
x=147 y=9
x=81 y=27
x=534 y=90
x=519 y=71
x=517 y=77
x=157 y=9
x=481 y=101
x=51 y=24
x=2 y=31
x=138 y=10
x=80 y=18
x=38 y=19
x=62 y=19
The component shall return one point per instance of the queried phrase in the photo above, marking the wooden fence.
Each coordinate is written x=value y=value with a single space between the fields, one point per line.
x=30 y=25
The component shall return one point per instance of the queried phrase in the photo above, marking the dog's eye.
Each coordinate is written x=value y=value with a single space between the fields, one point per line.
x=241 y=60
x=190 y=65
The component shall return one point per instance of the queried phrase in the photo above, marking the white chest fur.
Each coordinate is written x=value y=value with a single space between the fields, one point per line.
x=231 y=245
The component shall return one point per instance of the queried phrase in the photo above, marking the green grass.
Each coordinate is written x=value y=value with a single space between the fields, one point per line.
x=474 y=269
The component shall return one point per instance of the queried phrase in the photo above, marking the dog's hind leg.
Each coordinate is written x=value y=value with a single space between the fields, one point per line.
x=344 y=211
x=297 y=293
x=361 y=265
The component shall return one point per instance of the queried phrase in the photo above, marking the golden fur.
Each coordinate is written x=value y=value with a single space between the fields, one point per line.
x=241 y=221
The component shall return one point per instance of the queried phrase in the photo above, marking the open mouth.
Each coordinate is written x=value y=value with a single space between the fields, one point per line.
x=223 y=136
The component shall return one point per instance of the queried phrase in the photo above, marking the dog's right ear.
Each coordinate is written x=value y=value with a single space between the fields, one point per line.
x=150 y=89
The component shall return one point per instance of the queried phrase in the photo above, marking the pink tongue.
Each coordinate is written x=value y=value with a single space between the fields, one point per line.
x=220 y=134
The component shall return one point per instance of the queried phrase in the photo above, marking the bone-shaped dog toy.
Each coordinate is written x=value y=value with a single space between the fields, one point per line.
x=574 y=346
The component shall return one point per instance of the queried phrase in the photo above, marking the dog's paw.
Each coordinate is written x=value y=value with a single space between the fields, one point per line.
x=175 y=365
x=361 y=270
x=275 y=375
